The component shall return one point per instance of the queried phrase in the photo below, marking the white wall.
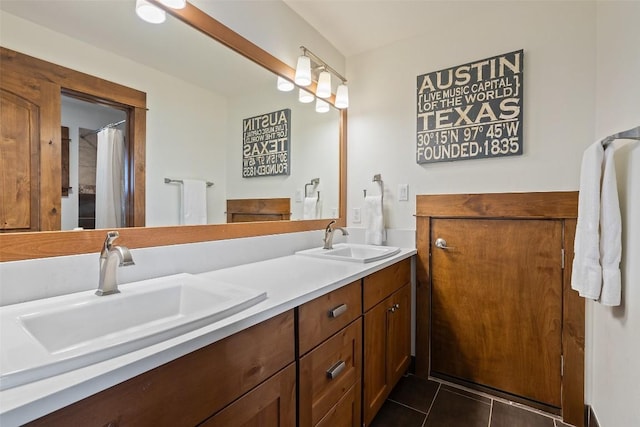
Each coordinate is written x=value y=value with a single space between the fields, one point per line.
x=559 y=56
x=613 y=334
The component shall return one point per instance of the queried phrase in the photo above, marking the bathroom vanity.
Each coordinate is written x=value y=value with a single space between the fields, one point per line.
x=297 y=358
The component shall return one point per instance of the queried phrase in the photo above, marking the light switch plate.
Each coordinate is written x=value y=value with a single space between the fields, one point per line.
x=298 y=196
x=356 y=216
x=403 y=192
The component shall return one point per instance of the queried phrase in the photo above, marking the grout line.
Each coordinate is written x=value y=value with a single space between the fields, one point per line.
x=499 y=399
x=490 y=413
x=407 y=406
x=433 y=401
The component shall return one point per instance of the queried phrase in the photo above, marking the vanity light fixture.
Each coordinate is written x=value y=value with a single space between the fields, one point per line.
x=174 y=4
x=342 y=96
x=305 y=97
x=308 y=64
x=285 y=85
x=323 y=90
x=321 y=106
x=150 y=13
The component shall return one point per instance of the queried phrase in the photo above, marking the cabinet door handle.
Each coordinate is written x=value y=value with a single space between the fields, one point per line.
x=335 y=370
x=393 y=308
x=338 y=310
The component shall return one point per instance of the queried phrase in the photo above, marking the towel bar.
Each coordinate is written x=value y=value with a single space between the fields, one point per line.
x=179 y=181
x=633 y=133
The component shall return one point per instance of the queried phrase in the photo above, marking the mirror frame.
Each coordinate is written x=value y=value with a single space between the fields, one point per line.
x=44 y=244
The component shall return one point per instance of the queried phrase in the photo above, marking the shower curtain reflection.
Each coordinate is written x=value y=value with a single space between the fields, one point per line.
x=110 y=179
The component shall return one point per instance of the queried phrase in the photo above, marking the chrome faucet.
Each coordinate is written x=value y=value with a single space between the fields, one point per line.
x=108 y=257
x=328 y=234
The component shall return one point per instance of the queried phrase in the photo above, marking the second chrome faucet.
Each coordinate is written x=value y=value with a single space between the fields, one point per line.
x=328 y=234
x=111 y=256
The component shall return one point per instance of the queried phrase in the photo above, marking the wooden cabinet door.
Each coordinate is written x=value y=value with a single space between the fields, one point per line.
x=387 y=348
x=376 y=386
x=399 y=334
x=30 y=184
x=346 y=413
x=272 y=403
x=497 y=304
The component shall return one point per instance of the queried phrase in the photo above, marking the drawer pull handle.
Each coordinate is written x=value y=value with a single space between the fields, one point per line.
x=335 y=370
x=338 y=310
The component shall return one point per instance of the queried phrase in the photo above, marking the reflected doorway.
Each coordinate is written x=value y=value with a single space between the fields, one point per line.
x=98 y=147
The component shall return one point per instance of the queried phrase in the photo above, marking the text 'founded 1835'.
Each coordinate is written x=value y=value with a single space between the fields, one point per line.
x=471 y=111
x=265 y=144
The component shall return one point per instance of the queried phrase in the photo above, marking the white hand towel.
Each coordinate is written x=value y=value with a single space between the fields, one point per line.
x=194 y=202
x=375 y=233
x=610 y=232
x=598 y=231
x=310 y=208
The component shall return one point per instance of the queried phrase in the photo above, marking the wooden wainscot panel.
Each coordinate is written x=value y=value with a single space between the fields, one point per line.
x=190 y=389
x=559 y=204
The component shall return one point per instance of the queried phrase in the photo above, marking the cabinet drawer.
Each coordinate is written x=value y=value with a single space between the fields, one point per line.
x=346 y=413
x=329 y=371
x=383 y=283
x=326 y=315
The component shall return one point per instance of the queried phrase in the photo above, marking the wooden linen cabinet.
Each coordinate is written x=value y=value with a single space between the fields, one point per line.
x=503 y=274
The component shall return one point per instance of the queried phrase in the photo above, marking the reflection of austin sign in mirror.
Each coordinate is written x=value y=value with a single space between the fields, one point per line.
x=471 y=111
x=265 y=144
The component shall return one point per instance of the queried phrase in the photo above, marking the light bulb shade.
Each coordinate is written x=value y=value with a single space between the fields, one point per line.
x=303 y=71
x=150 y=13
x=174 y=4
x=321 y=106
x=342 y=96
x=324 y=85
x=305 y=97
x=284 y=85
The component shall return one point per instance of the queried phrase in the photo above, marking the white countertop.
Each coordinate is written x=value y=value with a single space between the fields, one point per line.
x=289 y=282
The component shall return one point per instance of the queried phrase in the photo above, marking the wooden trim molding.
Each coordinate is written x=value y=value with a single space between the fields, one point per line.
x=560 y=204
x=536 y=205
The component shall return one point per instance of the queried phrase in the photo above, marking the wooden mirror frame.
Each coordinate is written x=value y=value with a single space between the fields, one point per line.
x=21 y=246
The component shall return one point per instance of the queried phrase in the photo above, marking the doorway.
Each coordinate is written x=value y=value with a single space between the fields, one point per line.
x=85 y=120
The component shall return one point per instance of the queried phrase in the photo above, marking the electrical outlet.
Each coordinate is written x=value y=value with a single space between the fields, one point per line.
x=356 y=216
x=403 y=192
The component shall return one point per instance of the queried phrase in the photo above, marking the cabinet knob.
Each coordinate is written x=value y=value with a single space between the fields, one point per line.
x=338 y=310
x=335 y=370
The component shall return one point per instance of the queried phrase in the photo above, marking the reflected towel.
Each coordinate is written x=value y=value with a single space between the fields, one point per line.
x=597 y=244
x=310 y=208
x=375 y=233
x=194 y=202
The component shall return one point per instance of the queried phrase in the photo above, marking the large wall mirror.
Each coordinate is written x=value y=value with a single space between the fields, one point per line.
x=202 y=81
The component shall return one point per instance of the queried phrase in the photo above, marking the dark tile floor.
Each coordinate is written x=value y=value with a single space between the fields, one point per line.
x=415 y=402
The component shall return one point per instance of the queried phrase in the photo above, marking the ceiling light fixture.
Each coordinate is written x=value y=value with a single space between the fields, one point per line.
x=150 y=13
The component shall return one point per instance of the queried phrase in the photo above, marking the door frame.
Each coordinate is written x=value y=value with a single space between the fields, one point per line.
x=535 y=205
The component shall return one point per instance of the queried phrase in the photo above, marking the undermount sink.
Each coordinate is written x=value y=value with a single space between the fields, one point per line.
x=48 y=337
x=352 y=252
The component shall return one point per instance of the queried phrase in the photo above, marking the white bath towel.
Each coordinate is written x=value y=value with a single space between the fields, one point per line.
x=610 y=232
x=310 y=208
x=194 y=202
x=598 y=231
x=375 y=233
